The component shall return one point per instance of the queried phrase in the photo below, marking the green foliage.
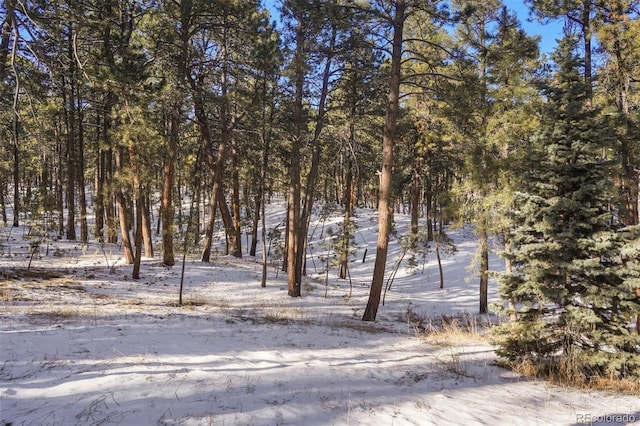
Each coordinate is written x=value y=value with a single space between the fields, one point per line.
x=572 y=282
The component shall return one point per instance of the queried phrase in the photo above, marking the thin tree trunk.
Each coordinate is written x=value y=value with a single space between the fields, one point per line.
x=384 y=203
x=98 y=184
x=70 y=113
x=122 y=212
x=138 y=231
x=147 y=237
x=440 y=271
x=16 y=171
x=305 y=217
x=168 y=257
x=3 y=189
x=110 y=201
x=139 y=211
x=484 y=269
x=415 y=203
x=346 y=236
x=257 y=206
x=82 y=193
x=227 y=220
x=236 y=247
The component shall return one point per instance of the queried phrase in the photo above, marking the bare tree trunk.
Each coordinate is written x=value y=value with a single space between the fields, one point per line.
x=138 y=231
x=5 y=38
x=98 y=183
x=305 y=217
x=415 y=203
x=294 y=267
x=346 y=235
x=257 y=204
x=122 y=212
x=384 y=205
x=70 y=113
x=227 y=220
x=236 y=248
x=110 y=201
x=440 y=271
x=82 y=193
x=16 y=171
x=3 y=189
x=484 y=268
x=147 y=237
x=168 y=257
x=139 y=211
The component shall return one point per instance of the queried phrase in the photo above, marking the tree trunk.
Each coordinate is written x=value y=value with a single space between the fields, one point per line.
x=346 y=235
x=484 y=269
x=294 y=267
x=440 y=272
x=3 y=189
x=415 y=204
x=139 y=211
x=122 y=212
x=5 y=38
x=384 y=203
x=138 y=232
x=16 y=170
x=147 y=236
x=236 y=248
x=82 y=193
x=257 y=204
x=168 y=257
x=70 y=113
x=227 y=220
x=98 y=184
x=312 y=177
x=110 y=207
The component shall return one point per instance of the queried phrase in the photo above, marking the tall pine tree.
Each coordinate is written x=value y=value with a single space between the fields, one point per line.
x=572 y=281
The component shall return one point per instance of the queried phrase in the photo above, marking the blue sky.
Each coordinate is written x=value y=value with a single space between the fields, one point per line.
x=548 y=32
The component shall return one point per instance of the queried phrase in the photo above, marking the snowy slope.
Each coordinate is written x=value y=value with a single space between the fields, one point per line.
x=92 y=346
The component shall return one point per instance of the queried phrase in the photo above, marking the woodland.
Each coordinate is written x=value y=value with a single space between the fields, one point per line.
x=125 y=119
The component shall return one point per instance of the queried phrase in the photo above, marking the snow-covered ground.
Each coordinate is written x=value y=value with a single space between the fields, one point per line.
x=81 y=343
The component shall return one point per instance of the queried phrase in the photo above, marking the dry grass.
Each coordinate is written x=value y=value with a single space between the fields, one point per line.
x=567 y=372
x=448 y=330
x=52 y=315
x=31 y=274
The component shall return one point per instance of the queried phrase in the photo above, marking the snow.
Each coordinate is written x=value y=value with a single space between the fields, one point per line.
x=92 y=346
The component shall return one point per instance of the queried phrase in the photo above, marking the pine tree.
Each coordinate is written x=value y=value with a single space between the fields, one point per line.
x=572 y=280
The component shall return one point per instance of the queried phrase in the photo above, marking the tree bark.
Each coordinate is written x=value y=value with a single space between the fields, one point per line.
x=484 y=268
x=70 y=113
x=16 y=170
x=415 y=203
x=294 y=267
x=122 y=212
x=5 y=38
x=384 y=203
x=147 y=237
x=236 y=229
x=168 y=257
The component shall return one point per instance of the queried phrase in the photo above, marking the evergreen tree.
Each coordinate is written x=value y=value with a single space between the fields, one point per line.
x=572 y=280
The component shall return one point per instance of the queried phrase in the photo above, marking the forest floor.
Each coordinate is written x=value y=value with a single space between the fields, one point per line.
x=81 y=343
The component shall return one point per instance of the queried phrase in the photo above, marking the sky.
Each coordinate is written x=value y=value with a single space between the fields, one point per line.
x=548 y=32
